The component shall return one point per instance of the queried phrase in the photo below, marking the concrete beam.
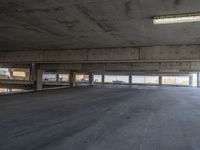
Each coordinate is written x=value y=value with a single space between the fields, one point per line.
x=142 y=54
x=11 y=65
x=158 y=67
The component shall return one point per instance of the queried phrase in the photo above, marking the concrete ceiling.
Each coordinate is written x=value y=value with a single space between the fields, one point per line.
x=66 y=24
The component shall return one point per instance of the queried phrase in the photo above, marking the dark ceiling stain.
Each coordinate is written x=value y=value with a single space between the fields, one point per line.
x=54 y=9
x=15 y=4
x=35 y=10
x=177 y=2
x=84 y=36
x=12 y=7
x=5 y=27
x=116 y=35
x=58 y=8
x=106 y=25
x=102 y=23
x=30 y=28
x=132 y=43
x=29 y=22
x=127 y=6
x=69 y=24
x=13 y=10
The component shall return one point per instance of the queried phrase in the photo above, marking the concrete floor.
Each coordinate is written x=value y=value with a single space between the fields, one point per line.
x=102 y=118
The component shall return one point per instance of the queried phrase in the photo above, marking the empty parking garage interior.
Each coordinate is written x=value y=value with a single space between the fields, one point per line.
x=99 y=75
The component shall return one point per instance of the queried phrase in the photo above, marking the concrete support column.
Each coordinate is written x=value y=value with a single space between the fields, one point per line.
x=36 y=77
x=72 y=79
x=27 y=74
x=91 y=79
x=11 y=73
x=9 y=90
x=160 y=79
x=57 y=77
x=103 y=79
x=198 y=79
x=38 y=84
x=190 y=79
x=32 y=72
x=130 y=79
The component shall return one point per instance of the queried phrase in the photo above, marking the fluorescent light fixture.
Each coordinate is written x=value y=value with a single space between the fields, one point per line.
x=184 y=18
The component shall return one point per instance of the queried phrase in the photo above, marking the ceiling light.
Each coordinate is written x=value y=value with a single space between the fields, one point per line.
x=185 y=18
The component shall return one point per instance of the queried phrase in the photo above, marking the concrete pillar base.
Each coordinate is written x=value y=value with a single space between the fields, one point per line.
x=103 y=78
x=91 y=79
x=130 y=79
x=39 y=80
x=160 y=80
x=72 y=79
x=190 y=80
x=198 y=79
x=11 y=73
x=57 y=77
